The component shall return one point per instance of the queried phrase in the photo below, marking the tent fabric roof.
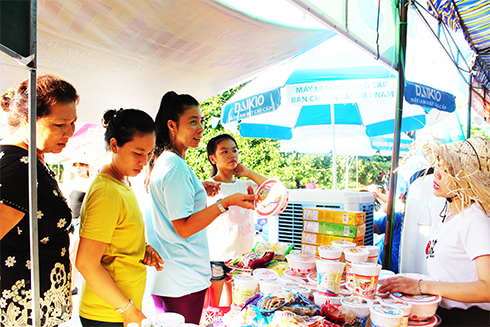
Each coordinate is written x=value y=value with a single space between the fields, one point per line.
x=473 y=17
x=127 y=54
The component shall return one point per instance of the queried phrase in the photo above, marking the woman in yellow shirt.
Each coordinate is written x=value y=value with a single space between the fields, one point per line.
x=112 y=238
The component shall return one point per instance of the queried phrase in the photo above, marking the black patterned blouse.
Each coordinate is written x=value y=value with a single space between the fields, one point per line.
x=54 y=217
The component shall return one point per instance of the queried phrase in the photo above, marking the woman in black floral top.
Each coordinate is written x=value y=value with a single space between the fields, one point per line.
x=55 y=124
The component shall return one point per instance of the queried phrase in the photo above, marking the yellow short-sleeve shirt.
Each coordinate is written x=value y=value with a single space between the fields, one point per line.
x=110 y=213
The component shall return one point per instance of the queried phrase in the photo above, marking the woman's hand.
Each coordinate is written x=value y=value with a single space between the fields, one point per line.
x=132 y=315
x=240 y=199
x=152 y=258
x=212 y=188
x=240 y=171
x=400 y=284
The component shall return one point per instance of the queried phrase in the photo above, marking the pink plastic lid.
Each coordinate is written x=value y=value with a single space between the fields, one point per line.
x=273 y=198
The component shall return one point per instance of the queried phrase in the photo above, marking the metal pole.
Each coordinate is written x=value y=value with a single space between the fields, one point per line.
x=334 y=152
x=388 y=244
x=470 y=95
x=32 y=117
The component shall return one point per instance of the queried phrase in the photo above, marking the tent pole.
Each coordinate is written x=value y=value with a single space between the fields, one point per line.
x=402 y=47
x=334 y=152
x=470 y=95
x=32 y=155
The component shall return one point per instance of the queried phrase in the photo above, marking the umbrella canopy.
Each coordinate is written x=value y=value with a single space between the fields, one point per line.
x=333 y=84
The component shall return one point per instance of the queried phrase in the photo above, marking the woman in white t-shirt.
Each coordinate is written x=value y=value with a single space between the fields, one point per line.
x=458 y=253
x=232 y=233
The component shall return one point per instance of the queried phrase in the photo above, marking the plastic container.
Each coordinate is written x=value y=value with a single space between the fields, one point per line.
x=423 y=306
x=431 y=322
x=357 y=305
x=301 y=263
x=265 y=274
x=353 y=255
x=272 y=198
x=290 y=280
x=385 y=315
x=402 y=305
x=320 y=299
x=313 y=277
x=244 y=287
x=373 y=252
x=330 y=252
x=343 y=245
x=365 y=281
x=288 y=272
x=168 y=319
x=329 y=276
x=304 y=290
x=270 y=286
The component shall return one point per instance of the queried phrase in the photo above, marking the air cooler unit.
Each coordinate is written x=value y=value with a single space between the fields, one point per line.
x=290 y=222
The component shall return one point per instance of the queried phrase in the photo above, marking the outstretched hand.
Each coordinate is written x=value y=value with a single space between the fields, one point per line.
x=152 y=258
x=242 y=200
x=400 y=284
x=212 y=188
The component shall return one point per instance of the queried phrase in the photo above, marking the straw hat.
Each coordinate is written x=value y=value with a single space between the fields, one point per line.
x=468 y=165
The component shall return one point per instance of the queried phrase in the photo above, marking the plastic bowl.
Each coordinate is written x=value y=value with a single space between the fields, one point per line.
x=265 y=274
x=330 y=252
x=270 y=286
x=357 y=305
x=423 y=306
x=301 y=263
x=320 y=299
x=386 y=315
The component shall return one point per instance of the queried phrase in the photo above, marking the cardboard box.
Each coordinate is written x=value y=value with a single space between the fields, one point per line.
x=313 y=249
x=321 y=239
x=335 y=216
x=334 y=229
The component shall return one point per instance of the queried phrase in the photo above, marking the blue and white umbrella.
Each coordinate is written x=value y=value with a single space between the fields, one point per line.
x=333 y=84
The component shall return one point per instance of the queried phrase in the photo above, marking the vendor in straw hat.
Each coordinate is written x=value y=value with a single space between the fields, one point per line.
x=458 y=253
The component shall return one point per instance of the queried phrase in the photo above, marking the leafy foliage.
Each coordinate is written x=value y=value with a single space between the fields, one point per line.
x=295 y=170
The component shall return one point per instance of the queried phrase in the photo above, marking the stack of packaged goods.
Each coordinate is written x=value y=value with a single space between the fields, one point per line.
x=322 y=226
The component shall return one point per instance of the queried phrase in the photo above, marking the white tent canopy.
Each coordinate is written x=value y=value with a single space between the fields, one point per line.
x=129 y=53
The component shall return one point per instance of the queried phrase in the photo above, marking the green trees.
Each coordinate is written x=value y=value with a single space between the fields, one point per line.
x=293 y=169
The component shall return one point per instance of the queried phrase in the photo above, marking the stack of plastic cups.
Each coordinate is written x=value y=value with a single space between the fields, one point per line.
x=373 y=252
x=329 y=274
x=365 y=279
x=358 y=306
x=343 y=245
x=353 y=255
x=330 y=252
x=402 y=305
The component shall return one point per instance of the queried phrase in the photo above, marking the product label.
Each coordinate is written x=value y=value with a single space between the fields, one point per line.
x=365 y=286
x=346 y=231
x=311 y=226
x=310 y=214
x=329 y=283
x=345 y=218
x=309 y=238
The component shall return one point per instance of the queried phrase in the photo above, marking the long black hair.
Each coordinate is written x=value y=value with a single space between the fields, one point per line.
x=172 y=107
x=213 y=145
